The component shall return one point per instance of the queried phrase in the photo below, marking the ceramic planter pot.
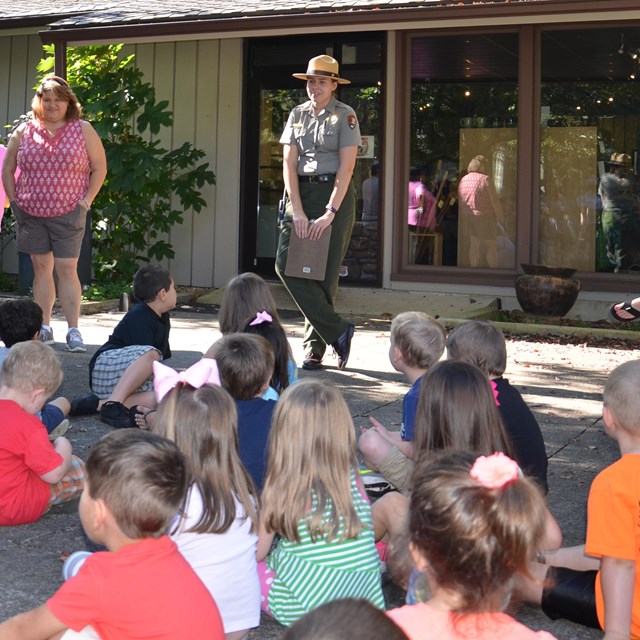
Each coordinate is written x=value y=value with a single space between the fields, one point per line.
x=547 y=291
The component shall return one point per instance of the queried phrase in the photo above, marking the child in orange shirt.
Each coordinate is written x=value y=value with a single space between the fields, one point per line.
x=598 y=584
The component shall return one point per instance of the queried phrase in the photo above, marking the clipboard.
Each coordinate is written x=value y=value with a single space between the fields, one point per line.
x=308 y=258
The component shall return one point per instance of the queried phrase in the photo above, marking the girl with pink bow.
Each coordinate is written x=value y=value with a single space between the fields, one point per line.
x=495 y=520
x=217 y=531
x=248 y=307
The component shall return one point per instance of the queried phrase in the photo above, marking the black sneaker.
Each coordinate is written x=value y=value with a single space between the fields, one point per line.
x=342 y=346
x=85 y=406
x=312 y=362
x=115 y=414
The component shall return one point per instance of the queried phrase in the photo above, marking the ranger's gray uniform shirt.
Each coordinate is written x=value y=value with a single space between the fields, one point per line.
x=319 y=139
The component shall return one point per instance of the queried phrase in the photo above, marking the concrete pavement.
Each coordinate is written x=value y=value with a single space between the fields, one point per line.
x=563 y=385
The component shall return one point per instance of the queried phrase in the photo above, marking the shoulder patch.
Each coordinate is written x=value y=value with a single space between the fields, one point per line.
x=352 y=121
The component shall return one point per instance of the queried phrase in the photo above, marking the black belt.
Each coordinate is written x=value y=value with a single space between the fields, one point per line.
x=315 y=178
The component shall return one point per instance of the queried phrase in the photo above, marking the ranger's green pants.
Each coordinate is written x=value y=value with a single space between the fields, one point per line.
x=315 y=298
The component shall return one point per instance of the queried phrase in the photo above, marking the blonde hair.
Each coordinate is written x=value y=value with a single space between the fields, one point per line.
x=478 y=164
x=621 y=395
x=481 y=343
x=31 y=365
x=244 y=296
x=312 y=458
x=204 y=424
x=419 y=338
x=494 y=532
x=61 y=89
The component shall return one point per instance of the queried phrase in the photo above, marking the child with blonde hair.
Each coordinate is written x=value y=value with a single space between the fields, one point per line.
x=474 y=524
x=34 y=473
x=598 y=584
x=417 y=343
x=217 y=531
x=313 y=500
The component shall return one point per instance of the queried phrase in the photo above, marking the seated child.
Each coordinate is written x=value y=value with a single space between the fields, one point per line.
x=598 y=584
x=21 y=320
x=417 y=343
x=34 y=473
x=141 y=587
x=481 y=343
x=245 y=363
x=473 y=525
x=344 y=619
x=120 y=371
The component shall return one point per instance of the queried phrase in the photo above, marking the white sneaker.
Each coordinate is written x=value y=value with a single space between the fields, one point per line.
x=74 y=341
x=60 y=430
x=46 y=336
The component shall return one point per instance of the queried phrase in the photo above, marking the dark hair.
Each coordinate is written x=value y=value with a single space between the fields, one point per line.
x=479 y=342
x=344 y=619
x=204 y=424
x=20 y=320
x=244 y=296
x=149 y=280
x=474 y=539
x=245 y=363
x=142 y=479
x=457 y=410
x=274 y=334
x=60 y=87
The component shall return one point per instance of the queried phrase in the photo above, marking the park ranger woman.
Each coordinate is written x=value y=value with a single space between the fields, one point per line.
x=320 y=145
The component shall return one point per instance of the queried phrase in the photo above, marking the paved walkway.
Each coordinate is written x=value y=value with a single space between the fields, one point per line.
x=563 y=385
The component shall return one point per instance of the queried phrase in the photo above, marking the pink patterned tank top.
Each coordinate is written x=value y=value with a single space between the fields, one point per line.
x=54 y=170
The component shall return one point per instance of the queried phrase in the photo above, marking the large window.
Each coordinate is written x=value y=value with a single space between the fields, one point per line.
x=461 y=187
x=589 y=136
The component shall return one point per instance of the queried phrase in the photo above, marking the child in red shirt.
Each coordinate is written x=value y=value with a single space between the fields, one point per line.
x=34 y=474
x=142 y=587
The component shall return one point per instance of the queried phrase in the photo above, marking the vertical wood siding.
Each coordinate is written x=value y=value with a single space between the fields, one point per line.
x=19 y=56
x=202 y=81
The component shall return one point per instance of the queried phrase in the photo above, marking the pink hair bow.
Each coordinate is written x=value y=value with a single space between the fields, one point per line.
x=261 y=316
x=494 y=471
x=205 y=371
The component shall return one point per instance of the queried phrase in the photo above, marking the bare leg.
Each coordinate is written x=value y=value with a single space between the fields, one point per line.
x=69 y=289
x=389 y=515
x=44 y=287
x=134 y=376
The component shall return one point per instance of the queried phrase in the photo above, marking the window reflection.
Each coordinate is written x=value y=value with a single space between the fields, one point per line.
x=589 y=196
x=463 y=106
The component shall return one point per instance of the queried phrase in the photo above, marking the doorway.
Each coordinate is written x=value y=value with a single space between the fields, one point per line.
x=270 y=94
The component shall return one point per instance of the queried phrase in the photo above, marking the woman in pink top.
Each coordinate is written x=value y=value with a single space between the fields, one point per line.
x=473 y=525
x=479 y=203
x=62 y=166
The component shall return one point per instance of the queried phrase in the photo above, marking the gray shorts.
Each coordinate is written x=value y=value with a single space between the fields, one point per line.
x=110 y=366
x=61 y=235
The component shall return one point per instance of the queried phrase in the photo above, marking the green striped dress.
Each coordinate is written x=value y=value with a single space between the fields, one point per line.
x=310 y=573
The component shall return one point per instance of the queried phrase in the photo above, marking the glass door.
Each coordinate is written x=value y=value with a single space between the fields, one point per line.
x=271 y=93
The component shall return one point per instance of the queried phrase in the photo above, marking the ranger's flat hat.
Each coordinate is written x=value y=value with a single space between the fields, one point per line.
x=325 y=67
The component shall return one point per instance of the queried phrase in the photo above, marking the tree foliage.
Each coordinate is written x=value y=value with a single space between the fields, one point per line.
x=148 y=188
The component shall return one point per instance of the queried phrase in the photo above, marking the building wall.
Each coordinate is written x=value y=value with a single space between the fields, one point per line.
x=202 y=81
x=20 y=53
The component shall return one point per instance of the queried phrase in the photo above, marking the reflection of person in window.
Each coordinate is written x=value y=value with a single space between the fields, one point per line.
x=478 y=201
x=421 y=212
x=619 y=222
x=370 y=196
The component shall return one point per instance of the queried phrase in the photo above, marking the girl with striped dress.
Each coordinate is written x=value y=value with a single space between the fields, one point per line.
x=314 y=502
